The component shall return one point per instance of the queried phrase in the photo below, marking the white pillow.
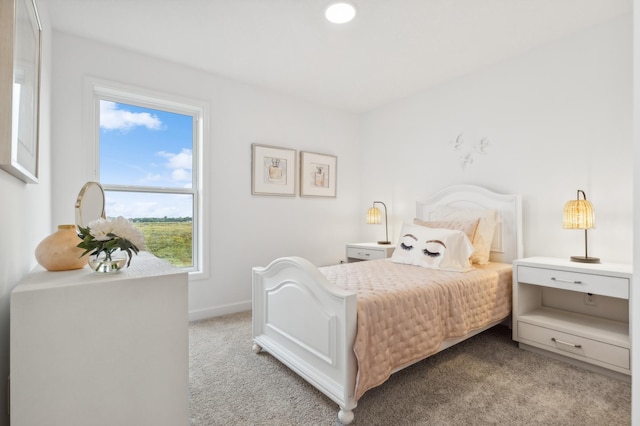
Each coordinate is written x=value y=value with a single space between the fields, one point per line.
x=484 y=232
x=434 y=248
x=467 y=226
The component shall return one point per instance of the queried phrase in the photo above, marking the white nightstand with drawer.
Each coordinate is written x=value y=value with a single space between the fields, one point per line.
x=576 y=310
x=368 y=251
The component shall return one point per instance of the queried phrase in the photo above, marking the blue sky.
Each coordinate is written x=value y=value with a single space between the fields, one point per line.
x=145 y=147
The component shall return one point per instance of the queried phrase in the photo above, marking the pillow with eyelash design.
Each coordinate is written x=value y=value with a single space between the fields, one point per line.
x=483 y=236
x=435 y=248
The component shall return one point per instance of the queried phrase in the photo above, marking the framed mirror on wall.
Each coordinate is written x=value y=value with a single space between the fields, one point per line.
x=20 y=56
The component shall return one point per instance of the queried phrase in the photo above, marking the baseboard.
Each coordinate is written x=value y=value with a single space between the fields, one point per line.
x=216 y=311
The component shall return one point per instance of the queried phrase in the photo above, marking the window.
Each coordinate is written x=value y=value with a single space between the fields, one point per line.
x=147 y=162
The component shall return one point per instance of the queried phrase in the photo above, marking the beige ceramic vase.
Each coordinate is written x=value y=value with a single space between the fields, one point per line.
x=58 y=251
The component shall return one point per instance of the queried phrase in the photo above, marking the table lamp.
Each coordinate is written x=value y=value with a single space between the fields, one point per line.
x=373 y=218
x=579 y=214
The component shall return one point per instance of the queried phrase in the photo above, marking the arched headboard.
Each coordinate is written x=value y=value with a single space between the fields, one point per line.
x=507 y=240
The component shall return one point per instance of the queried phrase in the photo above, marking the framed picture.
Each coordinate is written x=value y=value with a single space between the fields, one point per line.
x=20 y=54
x=273 y=170
x=318 y=173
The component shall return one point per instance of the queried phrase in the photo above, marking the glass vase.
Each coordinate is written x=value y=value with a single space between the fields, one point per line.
x=100 y=263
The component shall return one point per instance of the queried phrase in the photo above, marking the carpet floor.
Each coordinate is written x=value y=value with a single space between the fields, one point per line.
x=486 y=380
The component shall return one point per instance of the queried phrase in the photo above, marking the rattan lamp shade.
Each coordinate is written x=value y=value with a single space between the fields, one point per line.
x=580 y=214
x=374 y=217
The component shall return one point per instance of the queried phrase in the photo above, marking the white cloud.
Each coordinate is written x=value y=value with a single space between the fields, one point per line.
x=152 y=178
x=180 y=164
x=183 y=160
x=112 y=118
x=181 y=174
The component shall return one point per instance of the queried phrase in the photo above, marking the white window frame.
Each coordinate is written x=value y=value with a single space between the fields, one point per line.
x=98 y=90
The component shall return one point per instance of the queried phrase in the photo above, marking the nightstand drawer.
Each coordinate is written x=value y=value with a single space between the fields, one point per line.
x=574 y=346
x=575 y=281
x=365 y=253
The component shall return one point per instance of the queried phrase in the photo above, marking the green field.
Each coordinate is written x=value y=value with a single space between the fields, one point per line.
x=171 y=241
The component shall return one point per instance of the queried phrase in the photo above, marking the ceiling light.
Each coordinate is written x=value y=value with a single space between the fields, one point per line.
x=340 y=13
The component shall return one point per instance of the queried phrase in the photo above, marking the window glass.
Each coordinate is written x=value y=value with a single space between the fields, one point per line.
x=165 y=220
x=144 y=146
x=146 y=167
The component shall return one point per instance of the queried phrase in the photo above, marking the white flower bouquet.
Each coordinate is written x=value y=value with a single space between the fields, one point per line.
x=108 y=235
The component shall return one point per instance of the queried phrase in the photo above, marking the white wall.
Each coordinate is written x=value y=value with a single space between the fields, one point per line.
x=634 y=294
x=558 y=119
x=244 y=230
x=25 y=214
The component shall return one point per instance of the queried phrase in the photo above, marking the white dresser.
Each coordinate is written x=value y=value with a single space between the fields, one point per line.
x=101 y=349
x=576 y=310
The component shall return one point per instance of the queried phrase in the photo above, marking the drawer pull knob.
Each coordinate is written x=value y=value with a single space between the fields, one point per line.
x=565 y=281
x=573 y=345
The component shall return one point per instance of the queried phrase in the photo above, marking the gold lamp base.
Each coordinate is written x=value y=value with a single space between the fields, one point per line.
x=585 y=259
x=384 y=242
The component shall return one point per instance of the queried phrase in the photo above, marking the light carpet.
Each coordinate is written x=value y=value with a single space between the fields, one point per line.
x=486 y=380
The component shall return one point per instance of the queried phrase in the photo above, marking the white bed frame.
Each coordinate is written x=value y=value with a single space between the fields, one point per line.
x=310 y=324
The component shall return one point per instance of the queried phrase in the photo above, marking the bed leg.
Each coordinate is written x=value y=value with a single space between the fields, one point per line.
x=345 y=416
x=256 y=348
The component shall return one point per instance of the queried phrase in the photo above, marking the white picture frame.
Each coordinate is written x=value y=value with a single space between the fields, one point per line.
x=273 y=170
x=20 y=57
x=318 y=175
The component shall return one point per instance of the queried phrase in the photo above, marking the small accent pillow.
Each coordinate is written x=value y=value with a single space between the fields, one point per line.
x=434 y=248
x=484 y=233
x=467 y=226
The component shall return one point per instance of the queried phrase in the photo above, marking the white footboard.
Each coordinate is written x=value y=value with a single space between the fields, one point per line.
x=309 y=325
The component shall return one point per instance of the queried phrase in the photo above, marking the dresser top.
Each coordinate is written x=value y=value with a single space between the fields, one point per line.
x=371 y=245
x=623 y=269
x=143 y=265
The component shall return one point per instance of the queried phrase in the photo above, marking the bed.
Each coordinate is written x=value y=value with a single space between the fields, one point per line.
x=319 y=323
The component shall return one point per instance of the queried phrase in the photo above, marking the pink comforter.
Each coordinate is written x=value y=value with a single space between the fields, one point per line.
x=405 y=312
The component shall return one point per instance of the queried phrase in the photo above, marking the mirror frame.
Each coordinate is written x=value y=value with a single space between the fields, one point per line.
x=86 y=188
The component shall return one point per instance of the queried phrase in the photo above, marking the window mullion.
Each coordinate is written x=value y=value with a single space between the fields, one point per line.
x=147 y=189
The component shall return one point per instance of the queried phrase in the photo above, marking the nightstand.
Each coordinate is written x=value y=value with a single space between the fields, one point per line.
x=368 y=251
x=578 y=312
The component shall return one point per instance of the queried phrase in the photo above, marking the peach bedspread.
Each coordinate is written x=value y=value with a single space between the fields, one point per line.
x=405 y=312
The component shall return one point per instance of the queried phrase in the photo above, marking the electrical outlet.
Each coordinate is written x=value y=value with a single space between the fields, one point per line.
x=589 y=299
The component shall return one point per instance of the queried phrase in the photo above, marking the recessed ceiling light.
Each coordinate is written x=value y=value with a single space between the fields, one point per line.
x=340 y=13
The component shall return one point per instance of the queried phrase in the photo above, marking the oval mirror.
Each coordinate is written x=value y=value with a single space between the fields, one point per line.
x=90 y=204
